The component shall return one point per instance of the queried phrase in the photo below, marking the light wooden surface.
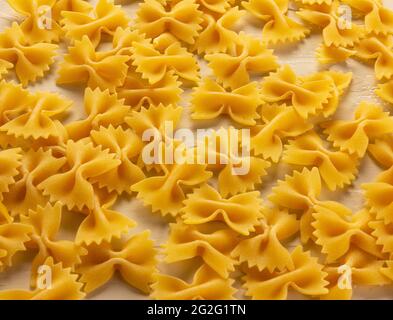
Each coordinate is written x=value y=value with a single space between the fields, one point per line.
x=301 y=57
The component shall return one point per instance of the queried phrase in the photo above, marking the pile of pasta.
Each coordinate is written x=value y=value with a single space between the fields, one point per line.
x=134 y=72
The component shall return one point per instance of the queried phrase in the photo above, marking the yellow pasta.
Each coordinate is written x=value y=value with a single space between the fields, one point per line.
x=264 y=249
x=65 y=286
x=385 y=91
x=72 y=186
x=250 y=56
x=84 y=65
x=337 y=230
x=330 y=55
x=134 y=259
x=307 y=95
x=336 y=168
x=106 y=18
x=29 y=61
x=155 y=60
x=213 y=245
x=45 y=222
x=210 y=100
x=377 y=18
x=240 y=212
x=378 y=195
x=10 y=161
x=305 y=276
x=218 y=34
x=33 y=25
x=280 y=122
x=206 y=284
x=353 y=136
x=382 y=151
x=179 y=18
x=326 y=16
x=278 y=27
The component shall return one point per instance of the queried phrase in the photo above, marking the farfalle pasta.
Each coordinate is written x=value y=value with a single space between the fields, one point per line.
x=213 y=245
x=180 y=18
x=380 y=50
x=72 y=187
x=205 y=285
x=240 y=212
x=305 y=276
x=106 y=18
x=155 y=61
x=35 y=26
x=337 y=230
x=353 y=136
x=189 y=112
x=307 y=95
x=336 y=168
x=45 y=222
x=234 y=67
x=218 y=34
x=279 y=122
x=264 y=249
x=210 y=100
x=278 y=26
x=65 y=286
x=84 y=65
x=134 y=259
x=30 y=62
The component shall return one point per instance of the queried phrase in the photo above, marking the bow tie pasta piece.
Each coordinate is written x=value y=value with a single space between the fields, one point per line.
x=205 y=285
x=210 y=100
x=341 y=82
x=72 y=186
x=29 y=61
x=138 y=92
x=65 y=286
x=234 y=67
x=299 y=192
x=379 y=196
x=353 y=136
x=182 y=19
x=335 y=31
x=126 y=145
x=382 y=151
x=332 y=55
x=102 y=109
x=165 y=193
x=217 y=34
x=385 y=91
x=264 y=250
x=306 y=94
x=377 y=18
x=13 y=237
x=81 y=6
x=10 y=161
x=45 y=222
x=154 y=118
x=38 y=120
x=102 y=224
x=380 y=50
x=279 y=123
x=215 y=6
x=211 y=245
x=336 y=168
x=83 y=64
x=278 y=27
x=135 y=259
x=306 y=277
x=155 y=60
x=35 y=167
x=37 y=25
x=384 y=235
x=241 y=212
x=106 y=18
x=226 y=152
x=337 y=230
